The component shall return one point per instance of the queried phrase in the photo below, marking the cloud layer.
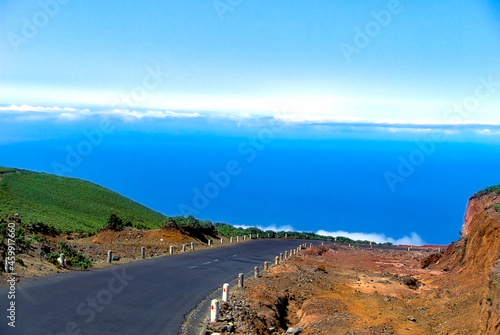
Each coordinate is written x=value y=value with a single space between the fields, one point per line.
x=25 y=113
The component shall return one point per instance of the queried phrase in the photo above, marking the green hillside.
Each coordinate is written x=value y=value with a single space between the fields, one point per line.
x=68 y=204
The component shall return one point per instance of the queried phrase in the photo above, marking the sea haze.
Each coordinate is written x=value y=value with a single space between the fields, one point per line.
x=308 y=177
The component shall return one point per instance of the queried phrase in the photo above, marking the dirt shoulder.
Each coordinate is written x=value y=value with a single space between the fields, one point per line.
x=341 y=290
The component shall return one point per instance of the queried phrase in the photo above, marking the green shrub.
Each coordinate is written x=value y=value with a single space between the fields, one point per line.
x=39 y=238
x=72 y=256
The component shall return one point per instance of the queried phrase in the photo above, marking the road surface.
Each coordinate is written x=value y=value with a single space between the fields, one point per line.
x=146 y=297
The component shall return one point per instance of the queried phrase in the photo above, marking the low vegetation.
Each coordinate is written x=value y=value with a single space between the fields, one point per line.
x=71 y=256
x=25 y=235
x=488 y=190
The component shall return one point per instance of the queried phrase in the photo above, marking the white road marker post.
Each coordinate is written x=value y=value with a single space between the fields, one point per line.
x=214 y=312
x=171 y=250
x=286 y=254
x=110 y=256
x=7 y=266
x=192 y=246
x=61 y=260
x=277 y=260
x=256 y=271
x=221 y=241
x=143 y=253
x=281 y=257
x=237 y=238
x=184 y=248
x=266 y=266
x=209 y=243
x=225 y=289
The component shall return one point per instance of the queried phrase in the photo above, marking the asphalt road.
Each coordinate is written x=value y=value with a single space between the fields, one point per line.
x=146 y=297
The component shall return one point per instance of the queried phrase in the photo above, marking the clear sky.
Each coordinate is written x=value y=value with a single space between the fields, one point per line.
x=393 y=103
x=381 y=61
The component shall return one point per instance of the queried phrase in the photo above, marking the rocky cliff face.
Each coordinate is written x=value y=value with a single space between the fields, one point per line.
x=478 y=205
x=479 y=258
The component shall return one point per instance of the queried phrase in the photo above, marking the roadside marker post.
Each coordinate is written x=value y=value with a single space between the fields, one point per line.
x=286 y=254
x=184 y=248
x=225 y=289
x=61 y=260
x=192 y=246
x=7 y=267
x=240 y=280
x=277 y=260
x=171 y=250
x=209 y=243
x=256 y=272
x=281 y=257
x=266 y=266
x=143 y=253
x=221 y=241
x=110 y=256
x=214 y=313
x=237 y=238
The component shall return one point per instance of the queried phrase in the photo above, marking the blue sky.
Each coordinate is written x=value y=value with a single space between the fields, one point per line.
x=394 y=72
x=254 y=57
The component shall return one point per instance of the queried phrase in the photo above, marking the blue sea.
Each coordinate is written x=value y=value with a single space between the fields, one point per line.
x=393 y=182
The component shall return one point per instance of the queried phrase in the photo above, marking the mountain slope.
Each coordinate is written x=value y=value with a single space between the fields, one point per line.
x=69 y=204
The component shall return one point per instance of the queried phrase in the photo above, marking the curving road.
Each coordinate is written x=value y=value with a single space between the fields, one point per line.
x=147 y=297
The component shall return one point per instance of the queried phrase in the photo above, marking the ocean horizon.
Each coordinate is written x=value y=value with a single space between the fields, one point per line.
x=392 y=184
